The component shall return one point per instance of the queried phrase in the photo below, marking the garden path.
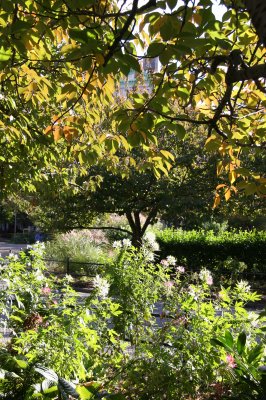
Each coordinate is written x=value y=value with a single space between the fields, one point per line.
x=7 y=247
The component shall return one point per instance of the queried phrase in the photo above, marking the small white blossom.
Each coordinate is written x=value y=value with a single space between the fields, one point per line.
x=180 y=269
x=101 y=285
x=149 y=255
x=171 y=260
x=206 y=276
x=117 y=244
x=149 y=237
x=69 y=278
x=39 y=275
x=150 y=240
x=13 y=256
x=243 y=286
x=169 y=286
x=192 y=292
x=126 y=243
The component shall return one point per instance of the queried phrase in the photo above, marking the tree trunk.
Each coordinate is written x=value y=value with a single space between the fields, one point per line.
x=136 y=230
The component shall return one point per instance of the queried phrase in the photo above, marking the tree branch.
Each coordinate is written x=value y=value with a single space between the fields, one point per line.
x=253 y=73
x=101 y=228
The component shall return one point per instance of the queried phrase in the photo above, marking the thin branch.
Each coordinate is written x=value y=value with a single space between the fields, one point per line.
x=101 y=228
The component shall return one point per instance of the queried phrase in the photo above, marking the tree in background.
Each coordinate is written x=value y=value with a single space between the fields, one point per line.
x=140 y=196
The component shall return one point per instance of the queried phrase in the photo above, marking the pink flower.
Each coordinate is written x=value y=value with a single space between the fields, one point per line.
x=46 y=290
x=180 y=269
x=169 y=285
x=165 y=263
x=230 y=361
x=209 y=280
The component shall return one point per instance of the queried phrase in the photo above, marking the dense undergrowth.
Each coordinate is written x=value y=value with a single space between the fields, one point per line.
x=204 y=344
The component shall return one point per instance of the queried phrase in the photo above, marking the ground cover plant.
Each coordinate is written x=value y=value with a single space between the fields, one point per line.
x=204 y=344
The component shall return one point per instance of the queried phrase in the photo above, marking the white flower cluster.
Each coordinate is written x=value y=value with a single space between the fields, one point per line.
x=12 y=256
x=101 y=285
x=37 y=248
x=149 y=240
x=119 y=244
x=206 y=276
x=243 y=287
x=39 y=275
x=148 y=254
x=169 y=261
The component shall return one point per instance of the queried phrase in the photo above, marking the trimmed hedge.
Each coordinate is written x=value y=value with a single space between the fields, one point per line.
x=197 y=249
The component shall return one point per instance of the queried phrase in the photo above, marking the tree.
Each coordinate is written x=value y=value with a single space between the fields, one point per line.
x=141 y=197
x=60 y=61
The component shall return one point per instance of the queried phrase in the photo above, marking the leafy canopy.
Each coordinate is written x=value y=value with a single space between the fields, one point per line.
x=61 y=61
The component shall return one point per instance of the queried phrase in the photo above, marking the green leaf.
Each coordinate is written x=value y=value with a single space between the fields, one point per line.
x=84 y=393
x=21 y=363
x=180 y=130
x=229 y=339
x=255 y=353
x=5 y=54
x=220 y=342
x=20 y=26
x=155 y=49
x=171 y=3
x=131 y=62
x=241 y=342
x=52 y=389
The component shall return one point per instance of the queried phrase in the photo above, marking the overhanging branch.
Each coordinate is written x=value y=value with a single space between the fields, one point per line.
x=253 y=73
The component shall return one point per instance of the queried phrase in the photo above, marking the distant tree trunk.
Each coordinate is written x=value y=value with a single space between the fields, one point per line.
x=135 y=225
x=138 y=231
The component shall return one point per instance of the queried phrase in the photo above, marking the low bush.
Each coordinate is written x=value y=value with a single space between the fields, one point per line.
x=196 y=249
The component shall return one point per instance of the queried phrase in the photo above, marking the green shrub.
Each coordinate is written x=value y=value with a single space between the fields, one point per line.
x=196 y=249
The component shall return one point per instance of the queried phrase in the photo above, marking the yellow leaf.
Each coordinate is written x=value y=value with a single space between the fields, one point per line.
x=57 y=132
x=197 y=18
x=220 y=186
x=100 y=58
x=232 y=176
x=217 y=201
x=134 y=127
x=219 y=167
x=48 y=130
x=143 y=134
x=167 y=154
x=227 y=194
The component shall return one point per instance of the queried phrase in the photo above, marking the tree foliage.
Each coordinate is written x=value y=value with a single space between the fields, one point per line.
x=61 y=61
x=185 y=191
